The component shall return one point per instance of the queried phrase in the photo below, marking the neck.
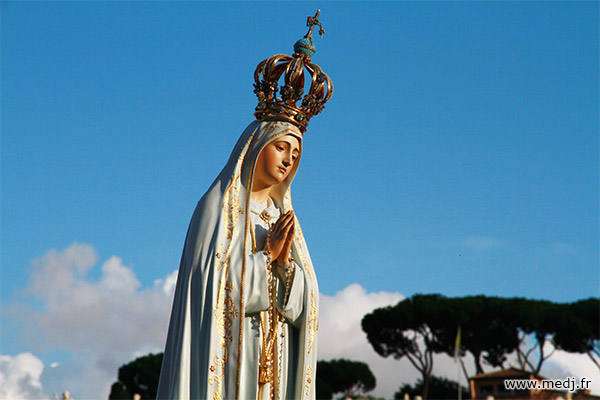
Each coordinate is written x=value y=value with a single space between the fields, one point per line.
x=260 y=195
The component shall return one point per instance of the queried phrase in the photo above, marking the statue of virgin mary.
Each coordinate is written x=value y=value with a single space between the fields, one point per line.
x=245 y=313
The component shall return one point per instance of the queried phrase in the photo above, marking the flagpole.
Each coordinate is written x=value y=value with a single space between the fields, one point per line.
x=459 y=374
x=456 y=355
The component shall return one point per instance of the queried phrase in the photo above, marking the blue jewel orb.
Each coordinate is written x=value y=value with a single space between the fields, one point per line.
x=305 y=46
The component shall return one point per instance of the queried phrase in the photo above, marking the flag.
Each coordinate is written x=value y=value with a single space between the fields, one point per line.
x=457 y=345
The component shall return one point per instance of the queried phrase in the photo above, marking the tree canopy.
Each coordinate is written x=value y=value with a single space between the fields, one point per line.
x=407 y=329
x=492 y=328
x=348 y=377
x=139 y=376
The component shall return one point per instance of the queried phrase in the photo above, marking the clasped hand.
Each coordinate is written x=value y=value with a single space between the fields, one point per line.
x=281 y=237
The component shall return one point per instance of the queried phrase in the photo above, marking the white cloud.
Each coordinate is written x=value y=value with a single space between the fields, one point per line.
x=117 y=278
x=20 y=377
x=55 y=272
x=168 y=284
x=562 y=365
x=101 y=324
x=341 y=335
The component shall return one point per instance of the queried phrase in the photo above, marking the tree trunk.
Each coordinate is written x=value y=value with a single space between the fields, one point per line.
x=425 y=386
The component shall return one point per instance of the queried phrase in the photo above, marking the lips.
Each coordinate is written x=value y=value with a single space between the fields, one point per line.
x=284 y=170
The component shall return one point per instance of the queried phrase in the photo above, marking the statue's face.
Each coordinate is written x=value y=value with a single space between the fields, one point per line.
x=276 y=161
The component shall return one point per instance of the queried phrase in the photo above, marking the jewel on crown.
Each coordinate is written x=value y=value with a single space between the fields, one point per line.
x=286 y=107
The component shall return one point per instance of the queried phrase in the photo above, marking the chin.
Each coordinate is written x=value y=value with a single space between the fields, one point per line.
x=279 y=177
x=276 y=179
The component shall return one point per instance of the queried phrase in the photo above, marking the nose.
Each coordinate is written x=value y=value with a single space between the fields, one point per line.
x=287 y=160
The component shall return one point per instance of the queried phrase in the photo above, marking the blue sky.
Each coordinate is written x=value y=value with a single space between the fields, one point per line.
x=458 y=155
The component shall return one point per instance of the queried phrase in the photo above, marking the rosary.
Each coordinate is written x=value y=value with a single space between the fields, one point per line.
x=273 y=319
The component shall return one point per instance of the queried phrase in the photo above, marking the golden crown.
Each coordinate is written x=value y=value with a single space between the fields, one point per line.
x=285 y=108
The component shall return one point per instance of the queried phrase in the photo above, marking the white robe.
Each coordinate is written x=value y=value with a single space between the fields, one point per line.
x=213 y=344
x=257 y=303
